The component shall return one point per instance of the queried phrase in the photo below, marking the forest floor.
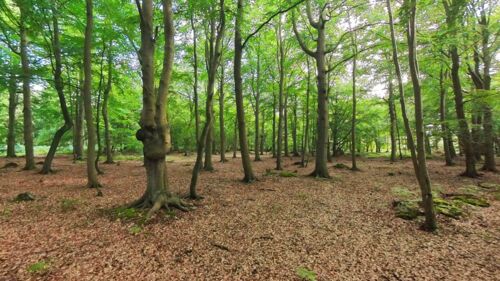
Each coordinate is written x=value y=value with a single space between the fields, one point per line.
x=278 y=228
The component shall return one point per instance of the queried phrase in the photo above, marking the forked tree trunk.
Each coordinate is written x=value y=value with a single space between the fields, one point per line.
x=11 y=131
x=92 y=181
x=213 y=60
x=58 y=82
x=27 y=113
x=418 y=160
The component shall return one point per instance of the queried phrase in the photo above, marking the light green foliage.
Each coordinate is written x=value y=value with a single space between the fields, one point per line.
x=306 y=274
x=39 y=267
x=135 y=229
x=288 y=174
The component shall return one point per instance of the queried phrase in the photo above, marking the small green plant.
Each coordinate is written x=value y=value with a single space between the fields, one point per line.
x=135 y=229
x=39 y=267
x=403 y=192
x=288 y=174
x=68 y=205
x=269 y=172
x=6 y=213
x=306 y=274
x=127 y=213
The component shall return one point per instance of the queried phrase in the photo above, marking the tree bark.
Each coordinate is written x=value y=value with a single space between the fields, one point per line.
x=393 y=120
x=257 y=110
x=238 y=88
x=281 y=68
x=58 y=82
x=27 y=111
x=452 y=14
x=92 y=181
x=11 y=131
x=107 y=134
x=306 y=126
x=354 y=166
x=195 y=84
x=79 y=116
x=442 y=118
x=221 y=117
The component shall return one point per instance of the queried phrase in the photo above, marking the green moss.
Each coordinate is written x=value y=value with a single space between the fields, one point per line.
x=448 y=208
x=407 y=209
x=39 y=267
x=403 y=193
x=471 y=200
x=341 y=166
x=288 y=174
x=68 y=205
x=135 y=229
x=269 y=172
x=306 y=274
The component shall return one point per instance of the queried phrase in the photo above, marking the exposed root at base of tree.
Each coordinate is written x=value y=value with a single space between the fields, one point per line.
x=163 y=201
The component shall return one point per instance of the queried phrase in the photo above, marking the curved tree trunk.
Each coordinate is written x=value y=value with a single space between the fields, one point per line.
x=58 y=81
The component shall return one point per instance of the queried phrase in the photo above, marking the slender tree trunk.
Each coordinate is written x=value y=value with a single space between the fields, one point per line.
x=87 y=99
x=281 y=64
x=464 y=133
x=195 y=84
x=275 y=155
x=221 y=117
x=58 y=82
x=105 y=117
x=354 y=167
x=477 y=144
x=214 y=50
x=393 y=120
x=306 y=126
x=11 y=131
x=418 y=155
x=235 y=137
x=257 y=110
x=443 y=119
x=79 y=116
x=263 y=134
x=285 y=124
x=27 y=114
x=295 y=151
x=238 y=88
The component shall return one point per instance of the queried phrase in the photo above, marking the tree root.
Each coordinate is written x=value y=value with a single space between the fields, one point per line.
x=161 y=202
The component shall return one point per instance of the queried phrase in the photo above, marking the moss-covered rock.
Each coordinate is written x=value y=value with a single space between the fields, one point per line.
x=447 y=208
x=407 y=209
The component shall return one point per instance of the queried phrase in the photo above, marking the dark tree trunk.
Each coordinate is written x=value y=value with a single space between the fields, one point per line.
x=476 y=121
x=238 y=88
x=27 y=113
x=58 y=82
x=11 y=131
x=274 y=127
x=295 y=151
x=393 y=120
x=306 y=126
x=281 y=64
x=235 y=137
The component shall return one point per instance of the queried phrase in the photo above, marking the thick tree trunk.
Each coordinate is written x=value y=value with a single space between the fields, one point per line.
x=11 y=127
x=92 y=181
x=238 y=88
x=489 y=151
x=306 y=126
x=27 y=113
x=477 y=144
x=58 y=82
x=209 y=109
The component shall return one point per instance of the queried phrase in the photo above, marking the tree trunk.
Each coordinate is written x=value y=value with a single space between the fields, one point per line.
x=306 y=126
x=27 y=114
x=11 y=133
x=213 y=59
x=295 y=151
x=221 y=117
x=285 y=124
x=238 y=88
x=79 y=116
x=58 y=82
x=107 y=135
x=235 y=137
x=442 y=118
x=195 y=84
x=393 y=120
x=257 y=110
x=417 y=155
x=281 y=64
x=92 y=181
x=274 y=127
x=452 y=14
x=354 y=167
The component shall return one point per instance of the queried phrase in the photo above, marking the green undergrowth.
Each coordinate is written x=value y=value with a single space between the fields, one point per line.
x=39 y=268
x=306 y=274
